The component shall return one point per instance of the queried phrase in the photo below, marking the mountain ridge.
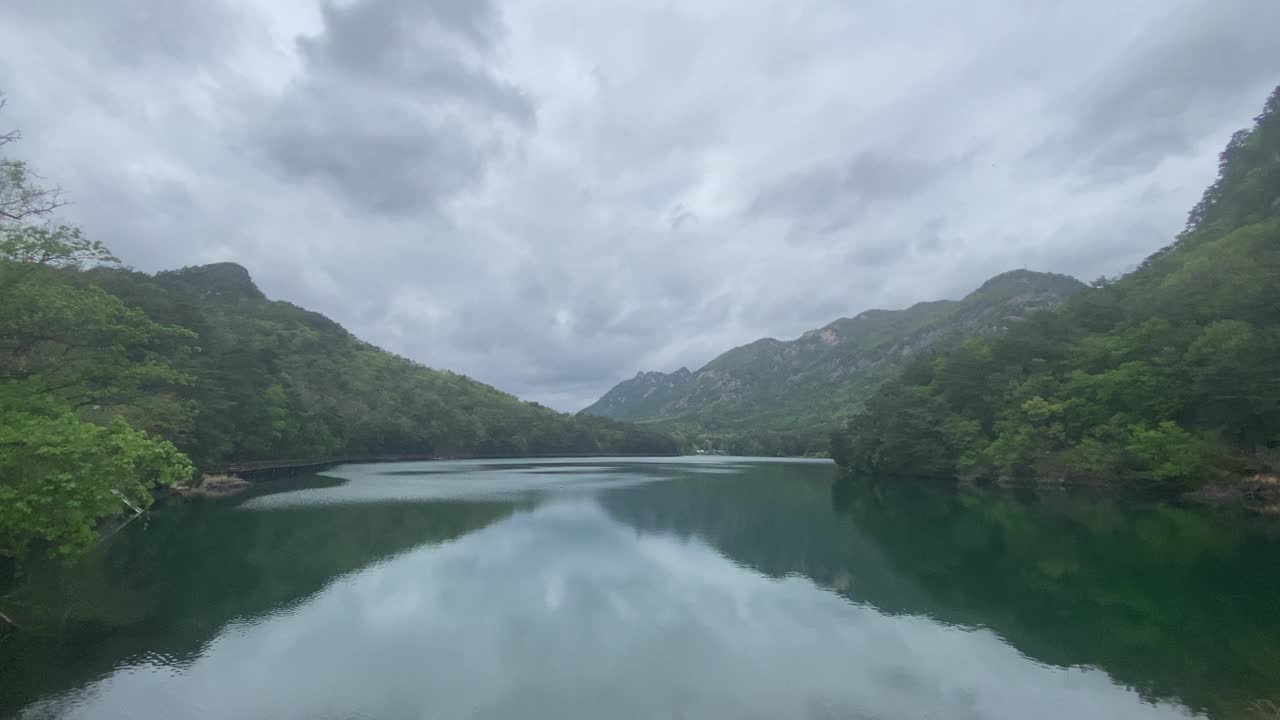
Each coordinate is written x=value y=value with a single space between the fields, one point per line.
x=270 y=379
x=762 y=385
x=1166 y=374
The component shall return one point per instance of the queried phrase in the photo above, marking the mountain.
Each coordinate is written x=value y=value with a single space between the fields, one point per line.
x=647 y=395
x=113 y=382
x=1166 y=374
x=273 y=380
x=801 y=385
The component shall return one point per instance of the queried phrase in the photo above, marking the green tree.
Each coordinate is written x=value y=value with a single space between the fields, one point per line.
x=1168 y=373
x=60 y=476
x=72 y=358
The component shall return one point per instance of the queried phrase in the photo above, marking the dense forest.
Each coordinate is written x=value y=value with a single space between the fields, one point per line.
x=268 y=379
x=1170 y=373
x=113 y=381
x=776 y=397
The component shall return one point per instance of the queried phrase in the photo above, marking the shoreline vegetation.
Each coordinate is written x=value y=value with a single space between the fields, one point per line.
x=780 y=397
x=114 y=383
x=1168 y=374
x=1260 y=494
x=1257 y=494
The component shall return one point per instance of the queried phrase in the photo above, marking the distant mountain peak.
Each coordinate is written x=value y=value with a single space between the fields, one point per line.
x=224 y=279
x=1024 y=277
x=768 y=383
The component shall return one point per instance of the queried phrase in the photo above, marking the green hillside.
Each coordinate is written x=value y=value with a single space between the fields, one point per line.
x=1169 y=373
x=272 y=380
x=114 y=381
x=783 y=396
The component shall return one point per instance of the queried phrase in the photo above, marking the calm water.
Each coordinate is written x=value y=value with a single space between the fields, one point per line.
x=699 y=588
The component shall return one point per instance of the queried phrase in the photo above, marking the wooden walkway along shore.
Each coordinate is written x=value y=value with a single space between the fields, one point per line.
x=274 y=469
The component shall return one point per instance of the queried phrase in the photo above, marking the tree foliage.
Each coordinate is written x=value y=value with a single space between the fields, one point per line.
x=113 y=382
x=98 y=363
x=72 y=359
x=270 y=380
x=775 y=397
x=60 y=475
x=1169 y=373
x=23 y=199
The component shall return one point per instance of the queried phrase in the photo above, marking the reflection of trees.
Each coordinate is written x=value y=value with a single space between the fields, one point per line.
x=1175 y=602
x=168 y=587
x=1172 y=601
x=774 y=517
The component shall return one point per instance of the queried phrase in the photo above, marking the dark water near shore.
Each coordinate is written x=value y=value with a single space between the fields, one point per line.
x=686 y=588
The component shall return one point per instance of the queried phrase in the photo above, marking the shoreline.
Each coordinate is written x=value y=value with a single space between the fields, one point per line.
x=1259 y=494
x=236 y=478
x=246 y=469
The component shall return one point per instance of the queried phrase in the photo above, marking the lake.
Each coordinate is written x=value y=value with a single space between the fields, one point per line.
x=701 y=587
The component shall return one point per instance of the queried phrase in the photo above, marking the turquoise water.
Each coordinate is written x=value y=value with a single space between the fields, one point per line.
x=663 y=588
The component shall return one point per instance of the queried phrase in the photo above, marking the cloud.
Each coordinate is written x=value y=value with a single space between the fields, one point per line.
x=395 y=108
x=829 y=198
x=134 y=33
x=1178 y=77
x=551 y=195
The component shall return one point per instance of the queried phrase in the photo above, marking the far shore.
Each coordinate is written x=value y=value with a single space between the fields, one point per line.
x=233 y=479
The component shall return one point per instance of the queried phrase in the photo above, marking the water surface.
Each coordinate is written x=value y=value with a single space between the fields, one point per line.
x=686 y=588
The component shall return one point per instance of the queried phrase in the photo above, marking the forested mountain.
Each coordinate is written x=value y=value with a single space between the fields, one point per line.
x=1169 y=373
x=799 y=387
x=268 y=379
x=114 y=381
x=99 y=363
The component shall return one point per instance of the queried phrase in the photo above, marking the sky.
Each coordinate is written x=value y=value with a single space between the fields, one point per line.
x=551 y=195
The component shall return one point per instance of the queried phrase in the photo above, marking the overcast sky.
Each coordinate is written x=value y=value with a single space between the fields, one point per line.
x=549 y=195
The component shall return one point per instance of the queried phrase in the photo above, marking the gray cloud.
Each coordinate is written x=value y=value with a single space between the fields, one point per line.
x=551 y=195
x=395 y=108
x=132 y=33
x=1181 y=76
x=830 y=198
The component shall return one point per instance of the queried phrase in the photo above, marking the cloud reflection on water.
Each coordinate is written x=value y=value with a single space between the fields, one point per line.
x=563 y=612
